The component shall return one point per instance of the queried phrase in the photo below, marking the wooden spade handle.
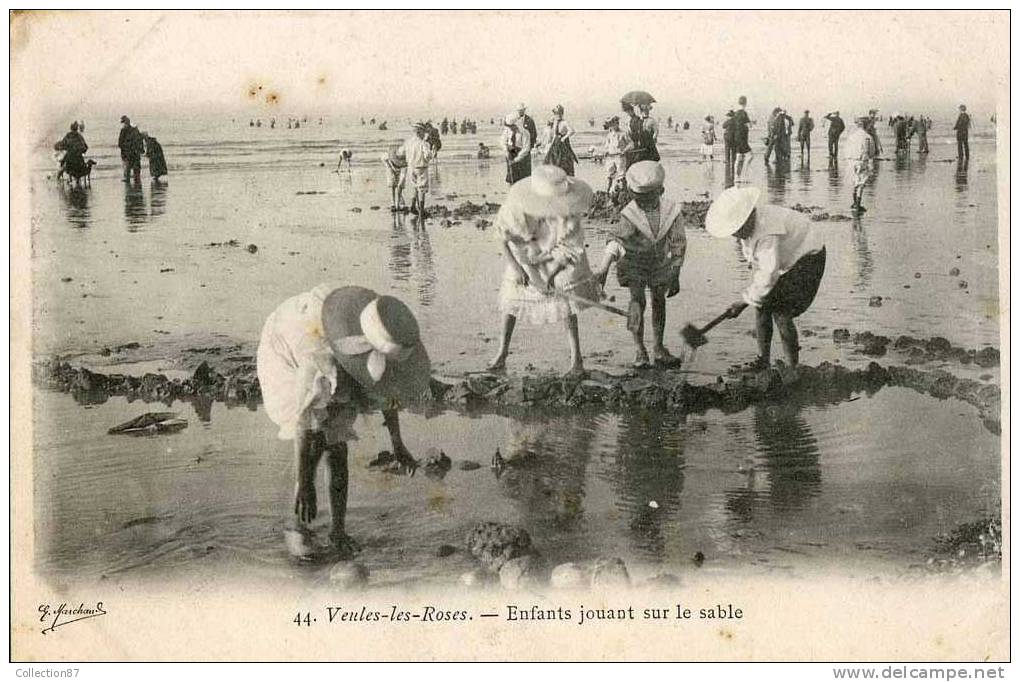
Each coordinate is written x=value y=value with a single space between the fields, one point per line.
x=715 y=321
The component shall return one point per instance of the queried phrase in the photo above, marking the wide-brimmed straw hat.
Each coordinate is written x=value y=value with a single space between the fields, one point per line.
x=730 y=210
x=549 y=192
x=376 y=340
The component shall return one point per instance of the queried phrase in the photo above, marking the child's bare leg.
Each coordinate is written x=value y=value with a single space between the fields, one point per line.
x=499 y=362
x=637 y=300
x=788 y=335
x=308 y=449
x=763 y=329
x=576 y=361
x=338 y=477
x=659 y=351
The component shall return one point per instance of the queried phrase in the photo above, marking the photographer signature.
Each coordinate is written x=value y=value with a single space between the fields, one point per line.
x=65 y=615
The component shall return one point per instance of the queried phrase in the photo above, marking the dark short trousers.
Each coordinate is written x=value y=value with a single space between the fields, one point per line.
x=796 y=289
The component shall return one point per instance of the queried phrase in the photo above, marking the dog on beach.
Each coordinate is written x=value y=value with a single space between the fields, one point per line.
x=78 y=178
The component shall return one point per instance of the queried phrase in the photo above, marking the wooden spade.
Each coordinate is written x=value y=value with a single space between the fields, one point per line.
x=695 y=337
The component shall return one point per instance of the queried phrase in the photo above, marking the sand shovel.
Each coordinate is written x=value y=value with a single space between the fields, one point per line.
x=594 y=304
x=695 y=337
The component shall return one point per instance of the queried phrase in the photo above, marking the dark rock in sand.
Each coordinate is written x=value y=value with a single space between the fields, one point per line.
x=987 y=357
x=841 y=335
x=698 y=559
x=445 y=550
x=355 y=210
x=151 y=423
x=468 y=465
x=493 y=544
x=875 y=301
x=523 y=572
x=436 y=464
x=962 y=284
x=251 y=248
x=383 y=458
x=954 y=272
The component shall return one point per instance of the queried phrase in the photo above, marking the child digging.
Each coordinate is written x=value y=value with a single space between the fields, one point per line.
x=648 y=248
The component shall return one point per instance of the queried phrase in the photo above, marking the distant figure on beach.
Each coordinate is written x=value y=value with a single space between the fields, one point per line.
x=859 y=152
x=962 y=128
x=483 y=151
x=616 y=145
x=382 y=126
x=258 y=123
x=648 y=246
x=444 y=127
x=900 y=131
x=73 y=162
x=418 y=153
x=131 y=149
x=540 y=228
x=323 y=357
x=729 y=127
x=154 y=153
x=836 y=128
x=559 y=151
x=772 y=134
x=876 y=143
x=787 y=258
x=687 y=125
x=707 y=138
x=396 y=176
x=921 y=128
x=804 y=127
x=251 y=123
x=669 y=123
x=516 y=143
x=528 y=123
x=742 y=145
x=345 y=159
x=785 y=132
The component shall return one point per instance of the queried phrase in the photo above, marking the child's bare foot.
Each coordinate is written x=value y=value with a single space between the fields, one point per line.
x=663 y=358
x=641 y=360
x=497 y=364
x=343 y=544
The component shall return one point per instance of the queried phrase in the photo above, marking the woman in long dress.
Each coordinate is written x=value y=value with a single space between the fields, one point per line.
x=517 y=145
x=560 y=153
x=74 y=147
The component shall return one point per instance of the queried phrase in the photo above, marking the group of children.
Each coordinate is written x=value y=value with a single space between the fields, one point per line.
x=547 y=276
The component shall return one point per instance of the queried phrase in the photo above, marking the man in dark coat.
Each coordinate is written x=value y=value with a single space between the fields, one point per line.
x=836 y=128
x=962 y=129
x=804 y=128
x=132 y=146
x=528 y=123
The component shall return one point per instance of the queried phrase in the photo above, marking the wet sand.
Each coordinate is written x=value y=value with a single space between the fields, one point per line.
x=768 y=486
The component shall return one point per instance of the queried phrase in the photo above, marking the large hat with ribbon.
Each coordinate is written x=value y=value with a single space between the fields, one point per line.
x=548 y=192
x=376 y=340
x=730 y=211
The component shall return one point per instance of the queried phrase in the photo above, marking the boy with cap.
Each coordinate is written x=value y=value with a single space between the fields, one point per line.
x=787 y=259
x=648 y=246
x=858 y=152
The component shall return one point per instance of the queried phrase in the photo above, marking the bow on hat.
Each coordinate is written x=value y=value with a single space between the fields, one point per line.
x=374 y=340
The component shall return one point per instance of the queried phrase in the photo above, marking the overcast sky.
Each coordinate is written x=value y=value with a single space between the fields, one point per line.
x=408 y=63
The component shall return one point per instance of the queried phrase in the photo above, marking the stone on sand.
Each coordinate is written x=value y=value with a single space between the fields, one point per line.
x=569 y=575
x=610 y=573
x=348 y=574
x=523 y=572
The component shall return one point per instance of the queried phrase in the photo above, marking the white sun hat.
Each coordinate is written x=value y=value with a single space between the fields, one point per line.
x=730 y=210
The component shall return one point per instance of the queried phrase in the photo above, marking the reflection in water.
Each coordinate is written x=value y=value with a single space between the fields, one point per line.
x=157 y=200
x=728 y=178
x=135 y=212
x=865 y=264
x=435 y=181
x=400 y=250
x=789 y=452
x=834 y=186
x=649 y=468
x=76 y=205
x=776 y=179
x=424 y=266
x=804 y=173
x=546 y=465
x=961 y=175
x=411 y=256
